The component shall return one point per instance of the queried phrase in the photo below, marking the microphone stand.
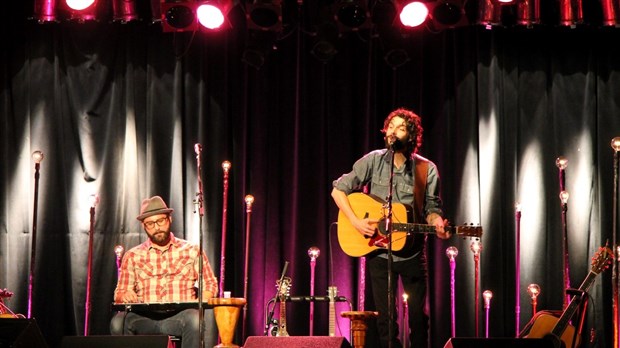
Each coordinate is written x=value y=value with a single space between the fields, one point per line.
x=37 y=156
x=199 y=202
x=226 y=168
x=451 y=253
x=517 y=267
x=249 y=200
x=533 y=290
x=476 y=248
x=91 y=234
x=119 y=250
x=388 y=230
x=615 y=145
x=487 y=294
x=314 y=253
x=561 y=163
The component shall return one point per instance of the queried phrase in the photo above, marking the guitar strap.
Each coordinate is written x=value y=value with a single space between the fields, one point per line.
x=419 y=189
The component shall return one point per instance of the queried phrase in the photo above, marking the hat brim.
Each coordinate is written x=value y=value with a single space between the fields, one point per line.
x=154 y=212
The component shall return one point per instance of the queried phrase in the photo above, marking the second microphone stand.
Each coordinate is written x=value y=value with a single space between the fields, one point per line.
x=388 y=230
x=199 y=204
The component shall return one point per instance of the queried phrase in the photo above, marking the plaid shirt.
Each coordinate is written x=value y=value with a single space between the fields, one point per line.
x=165 y=276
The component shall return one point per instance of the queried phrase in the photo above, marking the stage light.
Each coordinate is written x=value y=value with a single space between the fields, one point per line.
x=412 y=13
x=324 y=47
x=178 y=15
x=352 y=15
x=80 y=5
x=82 y=10
x=489 y=13
x=528 y=12
x=264 y=15
x=212 y=14
x=45 y=10
x=571 y=12
x=610 y=11
x=383 y=13
x=124 y=10
x=394 y=52
x=447 y=14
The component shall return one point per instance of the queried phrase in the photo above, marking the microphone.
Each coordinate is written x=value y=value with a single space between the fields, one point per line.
x=394 y=143
x=197 y=148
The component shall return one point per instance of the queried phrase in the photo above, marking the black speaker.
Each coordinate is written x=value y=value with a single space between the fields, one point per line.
x=18 y=332
x=465 y=342
x=296 y=341
x=129 y=341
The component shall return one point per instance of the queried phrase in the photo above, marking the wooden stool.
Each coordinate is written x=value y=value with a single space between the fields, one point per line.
x=358 y=325
x=226 y=311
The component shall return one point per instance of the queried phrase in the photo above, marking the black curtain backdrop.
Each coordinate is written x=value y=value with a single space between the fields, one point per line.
x=117 y=108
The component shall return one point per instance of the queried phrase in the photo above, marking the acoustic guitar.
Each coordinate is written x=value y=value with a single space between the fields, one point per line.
x=332 y=291
x=558 y=330
x=355 y=244
x=284 y=288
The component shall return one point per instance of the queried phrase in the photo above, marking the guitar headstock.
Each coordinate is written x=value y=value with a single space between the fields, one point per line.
x=332 y=292
x=5 y=293
x=472 y=231
x=602 y=259
x=284 y=287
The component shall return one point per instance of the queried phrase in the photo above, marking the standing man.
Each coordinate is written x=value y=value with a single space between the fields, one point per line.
x=162 y=269
x=416 y=183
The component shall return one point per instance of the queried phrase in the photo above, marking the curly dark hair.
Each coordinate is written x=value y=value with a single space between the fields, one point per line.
x=414 y=128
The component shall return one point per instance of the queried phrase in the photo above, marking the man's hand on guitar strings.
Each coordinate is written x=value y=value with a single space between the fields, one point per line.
x=365 y=226
x=440 y=225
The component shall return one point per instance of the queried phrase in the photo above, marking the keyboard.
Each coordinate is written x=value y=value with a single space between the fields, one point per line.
x=157 y=306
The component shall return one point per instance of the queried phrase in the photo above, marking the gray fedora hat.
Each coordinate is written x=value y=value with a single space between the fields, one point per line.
x=153 y=206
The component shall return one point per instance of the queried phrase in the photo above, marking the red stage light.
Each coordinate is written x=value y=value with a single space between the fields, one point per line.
x=178 y=15
x=45 y=10
x=79 y=5
x=413 y=14
x=212 y=14
x=124 y=10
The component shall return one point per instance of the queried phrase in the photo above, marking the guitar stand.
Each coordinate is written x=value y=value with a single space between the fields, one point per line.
x=271 y=324
x=578 y=295
x=582 y=297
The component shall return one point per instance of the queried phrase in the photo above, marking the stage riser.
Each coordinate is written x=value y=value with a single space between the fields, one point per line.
x=466 y=342
x=17 y=332
x=135 y=341
x=296 y=341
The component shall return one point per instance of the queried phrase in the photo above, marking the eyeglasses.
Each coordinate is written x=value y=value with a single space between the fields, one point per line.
x=159 y=222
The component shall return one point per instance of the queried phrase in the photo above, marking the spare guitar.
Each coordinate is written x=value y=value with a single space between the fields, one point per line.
x=332 y=291
x=284 y=288
x=355 y=244
x=546 y=325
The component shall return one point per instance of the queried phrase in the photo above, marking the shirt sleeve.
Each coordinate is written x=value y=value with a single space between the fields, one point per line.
x=358 y=177
x=433 y=202
x=126 y=276
x=208 y=277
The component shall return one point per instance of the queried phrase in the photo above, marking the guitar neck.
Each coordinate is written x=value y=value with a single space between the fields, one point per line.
x=282 y=327
x=332 y=318
x=568 y=313
x=415 y=228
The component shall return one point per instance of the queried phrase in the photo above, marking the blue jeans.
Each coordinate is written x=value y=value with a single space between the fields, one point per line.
x=184 y=324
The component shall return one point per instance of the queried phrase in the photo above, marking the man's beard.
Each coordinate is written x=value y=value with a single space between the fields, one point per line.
x=160 y=238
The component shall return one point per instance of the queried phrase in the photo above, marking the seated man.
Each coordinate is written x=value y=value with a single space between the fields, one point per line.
x=162 y=269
